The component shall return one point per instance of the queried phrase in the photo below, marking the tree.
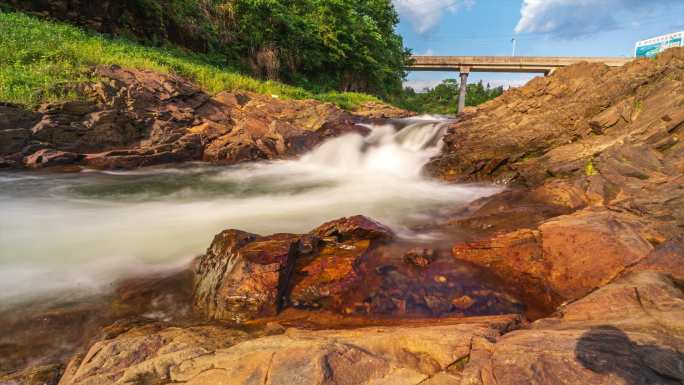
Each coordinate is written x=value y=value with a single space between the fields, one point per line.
x=443 y=98
x=348 y=45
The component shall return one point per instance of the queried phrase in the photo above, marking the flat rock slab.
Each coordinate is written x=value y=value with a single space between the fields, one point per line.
x=212 y=355
x=628 y=332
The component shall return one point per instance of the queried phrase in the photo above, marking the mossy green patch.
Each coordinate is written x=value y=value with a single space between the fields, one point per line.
x=638 y=105
x=589 y=169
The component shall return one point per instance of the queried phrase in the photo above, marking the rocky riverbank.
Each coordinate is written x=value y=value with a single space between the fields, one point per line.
x=572 y=275
x=135 y=118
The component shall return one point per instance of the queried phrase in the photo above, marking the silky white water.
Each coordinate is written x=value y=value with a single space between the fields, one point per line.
x=83 y=231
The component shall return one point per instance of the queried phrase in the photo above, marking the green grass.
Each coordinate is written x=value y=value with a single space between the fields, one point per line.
x=40 y=61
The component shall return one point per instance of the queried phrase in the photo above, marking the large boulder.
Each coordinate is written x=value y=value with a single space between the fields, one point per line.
x=566 y=257
x=347 y=266
x=609 y=136
x=243 y=276
x=629 y=332
x=557 y=125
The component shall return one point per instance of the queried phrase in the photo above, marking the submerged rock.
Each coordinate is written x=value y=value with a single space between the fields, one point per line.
x=420 y=257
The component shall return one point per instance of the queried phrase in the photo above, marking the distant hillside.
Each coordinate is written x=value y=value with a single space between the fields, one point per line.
x=345 y=45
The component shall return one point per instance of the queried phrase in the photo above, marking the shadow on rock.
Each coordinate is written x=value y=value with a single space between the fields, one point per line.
x=608 y=350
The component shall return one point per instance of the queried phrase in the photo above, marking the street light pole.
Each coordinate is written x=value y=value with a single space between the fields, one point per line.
x=513 y=41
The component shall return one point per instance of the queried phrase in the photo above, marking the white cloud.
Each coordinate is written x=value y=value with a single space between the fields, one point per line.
x=572 y=18
x=426 y=14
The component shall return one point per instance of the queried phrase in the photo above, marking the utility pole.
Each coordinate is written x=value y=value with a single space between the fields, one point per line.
x=513 y=41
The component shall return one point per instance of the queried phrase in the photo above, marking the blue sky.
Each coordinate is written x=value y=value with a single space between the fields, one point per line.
x=541 y=27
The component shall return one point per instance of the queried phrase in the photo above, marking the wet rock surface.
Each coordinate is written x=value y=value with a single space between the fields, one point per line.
x=347 y=266
x=244 y=276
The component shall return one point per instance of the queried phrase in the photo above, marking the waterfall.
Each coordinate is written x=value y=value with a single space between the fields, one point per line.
x=67 y=231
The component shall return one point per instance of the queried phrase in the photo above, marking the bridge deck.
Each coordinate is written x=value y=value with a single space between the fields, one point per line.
x=528 y=64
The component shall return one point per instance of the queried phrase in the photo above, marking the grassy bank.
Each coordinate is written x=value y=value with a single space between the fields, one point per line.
x=40 y=59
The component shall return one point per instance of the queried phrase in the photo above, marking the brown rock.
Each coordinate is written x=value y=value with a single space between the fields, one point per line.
x=628 y=332
x=136 y=118
x=354 y=228
x=36 y=375
x=147 y=353
x=13 y=140
x=419 y=257
x=377 y=110
x=49 y=158
x=591 y=247
x=667 y=258
x=517 y=257
x=244 y=276
x=567 y=257
x=322 y=280
x=549 y=126
x=14 y=117
x=210 y=355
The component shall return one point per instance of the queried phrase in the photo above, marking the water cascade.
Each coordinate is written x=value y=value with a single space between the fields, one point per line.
x=82 y=231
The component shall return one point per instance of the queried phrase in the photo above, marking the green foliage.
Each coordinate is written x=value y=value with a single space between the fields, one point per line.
x=589 y=168
x=321 y=45
x=638 y=105
x=42 y=61
x=347 y=45
x=443 y=99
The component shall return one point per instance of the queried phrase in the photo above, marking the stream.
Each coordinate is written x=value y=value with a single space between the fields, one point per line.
x=78 y=233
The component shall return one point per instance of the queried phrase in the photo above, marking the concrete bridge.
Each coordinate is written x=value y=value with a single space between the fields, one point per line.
x=526 y=64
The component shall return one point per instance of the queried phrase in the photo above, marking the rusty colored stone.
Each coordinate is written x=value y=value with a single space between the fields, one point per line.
x=420 y=257
x=354 y=228
x=243 y=276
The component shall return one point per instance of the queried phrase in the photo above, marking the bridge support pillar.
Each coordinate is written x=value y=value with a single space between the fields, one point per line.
x=465 y=71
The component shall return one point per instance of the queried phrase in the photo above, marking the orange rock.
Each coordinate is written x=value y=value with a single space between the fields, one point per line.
x=566 y=257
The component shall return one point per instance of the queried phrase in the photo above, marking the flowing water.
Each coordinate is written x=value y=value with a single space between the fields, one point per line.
x=80 y=232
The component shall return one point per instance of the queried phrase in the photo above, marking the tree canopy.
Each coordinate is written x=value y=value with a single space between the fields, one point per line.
x=322 y=45
x=348 y=45
x=443 y=98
